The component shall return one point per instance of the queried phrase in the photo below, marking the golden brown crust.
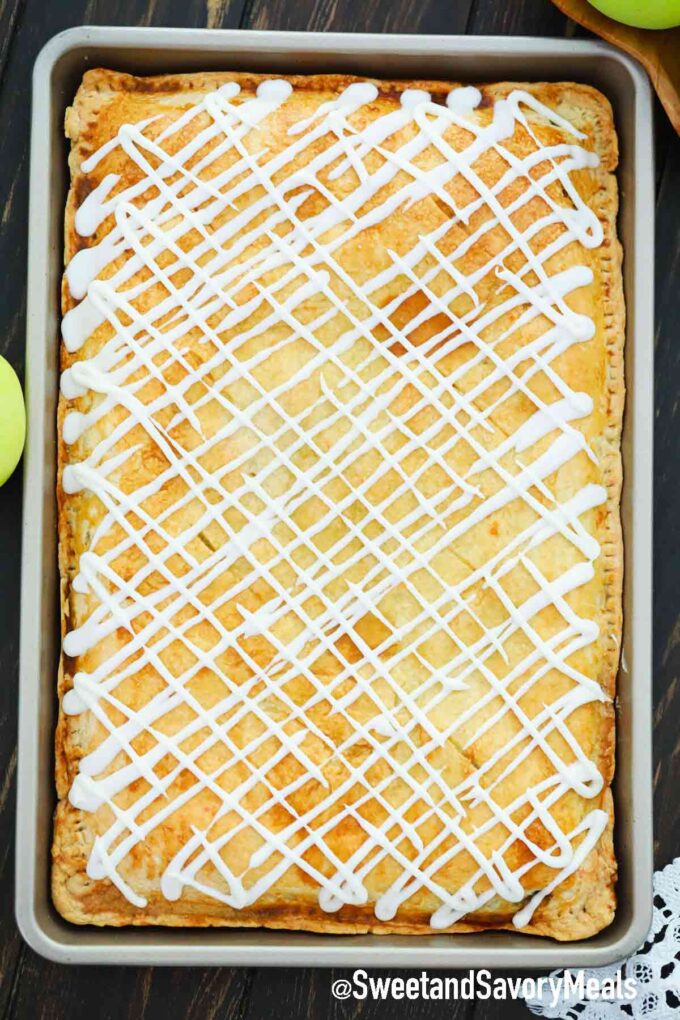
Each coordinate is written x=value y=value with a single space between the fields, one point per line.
x=584 y=903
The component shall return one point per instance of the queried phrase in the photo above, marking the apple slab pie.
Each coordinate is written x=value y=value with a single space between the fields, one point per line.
x=340 y=549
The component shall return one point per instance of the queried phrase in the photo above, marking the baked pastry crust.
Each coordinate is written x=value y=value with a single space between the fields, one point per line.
x=583 y=901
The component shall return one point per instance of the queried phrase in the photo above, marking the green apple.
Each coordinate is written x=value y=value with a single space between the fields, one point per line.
x=12 y=420
x=641 y=13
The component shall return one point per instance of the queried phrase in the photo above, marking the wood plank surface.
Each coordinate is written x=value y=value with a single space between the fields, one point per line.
x=34 y=989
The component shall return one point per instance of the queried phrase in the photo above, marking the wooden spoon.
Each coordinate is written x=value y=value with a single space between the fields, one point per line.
x=657 y=50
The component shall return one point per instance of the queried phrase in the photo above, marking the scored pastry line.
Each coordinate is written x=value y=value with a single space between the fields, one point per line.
x=104 y=300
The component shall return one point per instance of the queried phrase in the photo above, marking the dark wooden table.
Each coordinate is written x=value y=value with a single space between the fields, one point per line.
x=33 y=988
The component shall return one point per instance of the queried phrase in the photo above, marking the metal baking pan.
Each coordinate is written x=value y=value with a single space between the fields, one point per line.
x=148 y=50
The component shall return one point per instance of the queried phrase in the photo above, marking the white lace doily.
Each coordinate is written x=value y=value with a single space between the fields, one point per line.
x=655 y=967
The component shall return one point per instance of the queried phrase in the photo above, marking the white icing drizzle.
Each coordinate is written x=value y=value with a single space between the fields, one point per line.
x=196 y=170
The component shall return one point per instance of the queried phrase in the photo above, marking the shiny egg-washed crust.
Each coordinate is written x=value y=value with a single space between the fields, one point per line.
x=584 y=903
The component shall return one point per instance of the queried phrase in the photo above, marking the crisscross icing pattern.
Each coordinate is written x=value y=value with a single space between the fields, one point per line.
x=316 y=394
